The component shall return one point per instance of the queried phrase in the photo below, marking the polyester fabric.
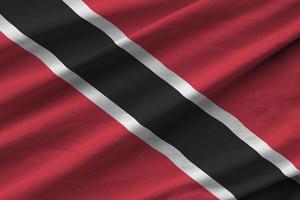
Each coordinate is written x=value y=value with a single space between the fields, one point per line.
x=56 y=144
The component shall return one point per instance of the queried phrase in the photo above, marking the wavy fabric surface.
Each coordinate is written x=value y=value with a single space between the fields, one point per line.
x=154 y=99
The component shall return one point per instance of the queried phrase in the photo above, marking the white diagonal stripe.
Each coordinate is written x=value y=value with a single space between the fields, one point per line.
x=58 y=68
x=120 y=39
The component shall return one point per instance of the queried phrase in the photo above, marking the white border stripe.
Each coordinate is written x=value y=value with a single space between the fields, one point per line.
x=120 y=39
x=58 y=68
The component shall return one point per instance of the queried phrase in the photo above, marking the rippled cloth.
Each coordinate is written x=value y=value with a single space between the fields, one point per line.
x=244 y=56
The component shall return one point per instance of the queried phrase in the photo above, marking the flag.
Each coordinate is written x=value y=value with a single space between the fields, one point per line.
x=154 y=99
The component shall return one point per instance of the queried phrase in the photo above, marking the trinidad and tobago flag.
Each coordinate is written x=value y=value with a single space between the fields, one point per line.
x=149 y=99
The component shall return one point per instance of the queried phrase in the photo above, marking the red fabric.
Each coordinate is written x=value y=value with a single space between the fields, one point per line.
x=244 y=55
x=56 y=144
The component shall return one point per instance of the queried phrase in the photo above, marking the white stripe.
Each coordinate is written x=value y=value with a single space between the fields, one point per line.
x=58 y=68
x=120 y=39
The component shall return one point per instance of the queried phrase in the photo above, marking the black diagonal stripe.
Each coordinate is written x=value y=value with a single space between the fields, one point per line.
x=202 y=139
